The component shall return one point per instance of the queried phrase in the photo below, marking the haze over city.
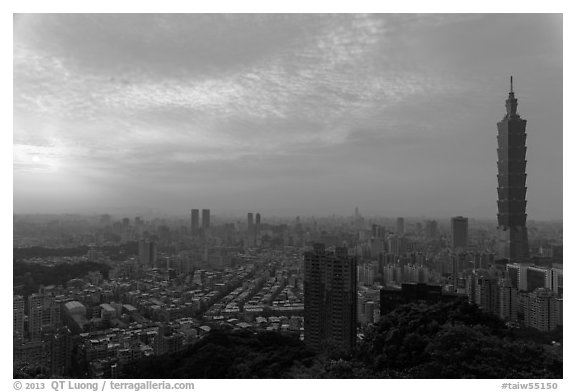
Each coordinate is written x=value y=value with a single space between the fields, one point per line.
x=276 y=196
x=303 y=114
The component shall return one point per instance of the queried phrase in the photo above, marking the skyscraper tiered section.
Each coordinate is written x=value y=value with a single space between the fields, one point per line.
x=512 y=232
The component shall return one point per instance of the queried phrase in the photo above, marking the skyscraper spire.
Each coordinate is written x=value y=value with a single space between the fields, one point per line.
x=511 y=102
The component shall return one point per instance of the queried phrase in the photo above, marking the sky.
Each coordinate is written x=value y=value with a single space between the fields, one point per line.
x=282 y=113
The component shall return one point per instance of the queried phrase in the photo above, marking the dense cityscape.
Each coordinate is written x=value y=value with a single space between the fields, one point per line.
x=211 y=292
x=153 y=287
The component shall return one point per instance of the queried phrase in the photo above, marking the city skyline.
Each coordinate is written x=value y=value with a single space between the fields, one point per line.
x=317 y=114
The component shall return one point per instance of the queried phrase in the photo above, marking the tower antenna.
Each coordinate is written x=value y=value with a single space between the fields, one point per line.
x=511 y=85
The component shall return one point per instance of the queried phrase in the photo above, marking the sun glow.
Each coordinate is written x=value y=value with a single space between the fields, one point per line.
x=36 y=158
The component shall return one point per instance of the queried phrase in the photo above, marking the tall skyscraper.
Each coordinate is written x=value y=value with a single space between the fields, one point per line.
x=512 y=233
x=329 y=298
x=147 y=253
x=250 y=231
x=194 y=221
x=250 y=222
x=205 y=219
x=257 y=223
x=400 y=226
x=459 y=226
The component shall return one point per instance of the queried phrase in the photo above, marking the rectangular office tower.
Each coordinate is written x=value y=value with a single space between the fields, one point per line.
x=400 y=227
x=512 y=233
x=147 y=253
x=205 y=219
x=329 y=299
x=250 y=222
x=257 y=224
x=459 y=231
x=194 y=221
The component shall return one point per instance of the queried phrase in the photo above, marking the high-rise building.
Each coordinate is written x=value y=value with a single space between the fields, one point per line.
x=529 y=278
x=395 y=244
x=508 y=301
x=147 y=253
x=60 y=352
x=329 y=298
x=251 y=230
x=43 y=314
x=377 y=247
x=459 y=226
x=369 y=307
x=205 y=219
x=456 y=267
x=194 y=221
x=512 y=233
x=250 y=222
x=257 y=224
x=400 y=226
x=487 y=297
x=537 y=277
x=18 y=316
x=517 y=273
x=544 y=310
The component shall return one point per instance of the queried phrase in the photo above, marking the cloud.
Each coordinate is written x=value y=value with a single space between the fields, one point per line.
x=163 y=98
x=306 y=92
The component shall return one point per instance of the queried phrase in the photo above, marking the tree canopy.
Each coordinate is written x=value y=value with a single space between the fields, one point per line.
x=418 y=340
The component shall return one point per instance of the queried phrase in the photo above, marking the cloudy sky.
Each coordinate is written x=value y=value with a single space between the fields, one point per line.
x=300 y=114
